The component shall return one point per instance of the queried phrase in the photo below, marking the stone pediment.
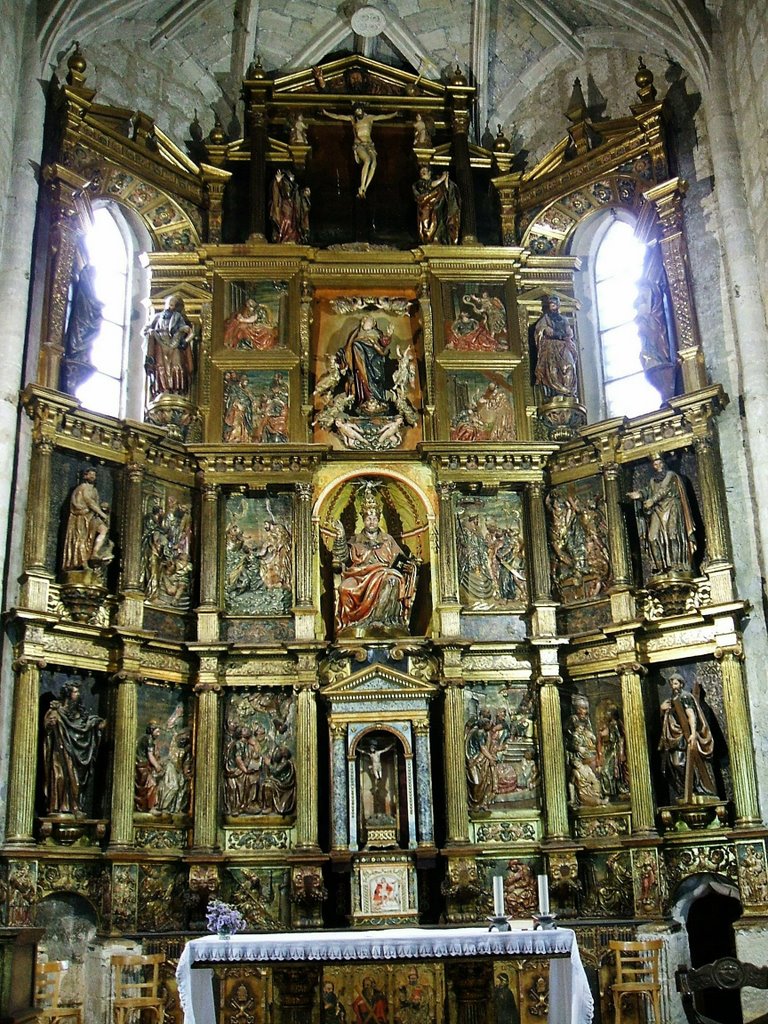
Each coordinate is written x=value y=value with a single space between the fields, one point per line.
x=377 y=683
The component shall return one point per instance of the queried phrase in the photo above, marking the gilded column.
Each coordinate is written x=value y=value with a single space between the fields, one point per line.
x=638 y=761
x=131 y=567
x=207 y=759
x=538 y=549
x=460 y=144
x=739 y=734
x=209 y=555
x=302 y=544
x=424 y=802
x=38 y=509
x=617 y=534
x=713 y=509
x=306 y=768
x=455 y=776
x=553 y=759
x=125 y=726
x=23 y=763
x=339 y=832
x=449 y=583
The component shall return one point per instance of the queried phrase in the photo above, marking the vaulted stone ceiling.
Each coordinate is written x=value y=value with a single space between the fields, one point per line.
x=170 y=57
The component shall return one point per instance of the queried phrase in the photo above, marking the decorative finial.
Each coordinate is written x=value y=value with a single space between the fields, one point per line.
x=577 y=106
x=501 y=143
x=255 y=68
x=644 y=81
x=458 y=77
x=195 y=129
x=217 y=136
x=77 y=66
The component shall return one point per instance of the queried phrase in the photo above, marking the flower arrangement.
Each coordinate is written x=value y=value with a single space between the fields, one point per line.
x=223 y=918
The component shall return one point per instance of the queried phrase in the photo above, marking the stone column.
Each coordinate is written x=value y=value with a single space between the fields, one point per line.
x=455 y=774
x=553 y=759
x=423 y=784
x=207 y=756
x=638 y=761
x=449 y=582
x=302 y=544
x=339 y=831
x=306 y=768
x=538 y=548
x=125 y=726
x=23 y=765
x=739 y=734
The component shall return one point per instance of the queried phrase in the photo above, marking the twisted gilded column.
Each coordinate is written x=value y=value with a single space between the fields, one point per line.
x=538 y=548
x=449 y=582
x=125 y=726
x=553 y=758
x=23 y=763
x=207 y=756
x=209 y=554
x=339 y=831
x=302 y=544
x=638 y=761
x=739 y=734
x=424 y=801
x=455 y=775
x=306 y=768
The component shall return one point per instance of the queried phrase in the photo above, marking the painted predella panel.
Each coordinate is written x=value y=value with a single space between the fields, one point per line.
x=257 y=321
x=406 y=994
x=256 y=407
x=491 y=552
x=164 y=764
x=259 y=555
x=166 y=545
x=500 y=755
x=476 y=319
x=367 y=392
x=258 y=752
x=578 y=540
x=596 y=746
x=481 y=406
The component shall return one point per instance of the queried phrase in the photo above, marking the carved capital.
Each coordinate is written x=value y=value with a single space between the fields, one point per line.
x=631 y=668
x=728 y=651
x=24 y=662
x=207 y=687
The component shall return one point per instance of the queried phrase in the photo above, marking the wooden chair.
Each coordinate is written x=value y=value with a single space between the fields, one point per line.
x=725 y=974
x=137 y=988
x=637 y=974
x=50 y=1009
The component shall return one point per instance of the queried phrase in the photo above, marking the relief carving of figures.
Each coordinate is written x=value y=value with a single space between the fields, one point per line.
x=169 y=362
x=72 y=737
x=752 y=874
x=500 y=760
x=256 y=407
x=166 y=545
x=289 y=207
x=259 y=556
x=86 y=541
x=258 y=754
x=163 y=772
x=520 y=889
x=367 y=393
x=584 y=788
x=491 y=556
x=489 y=416
x=251 y=327
x=438 y=208
x=556 y=357
x=612 y=752
x=666 y=520
x=578 y=533
x=686 y=744
x=377 y=578
x=468 y=334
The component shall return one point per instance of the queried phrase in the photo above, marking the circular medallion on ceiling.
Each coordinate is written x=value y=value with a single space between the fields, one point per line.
x=368 y=22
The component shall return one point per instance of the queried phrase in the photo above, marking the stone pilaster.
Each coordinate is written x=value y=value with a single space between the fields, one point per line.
x=739 y=733
x=339 y=833
x=553 y=759
x=638 y=761
x=125 y=726
x=424 y=802
x=23 y=763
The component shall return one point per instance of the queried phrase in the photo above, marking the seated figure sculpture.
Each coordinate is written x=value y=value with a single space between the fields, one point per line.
x=377 y=579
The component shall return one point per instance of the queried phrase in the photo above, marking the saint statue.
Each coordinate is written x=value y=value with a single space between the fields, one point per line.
x=686 y=744
x=72 y=739
x=438 y=208
x=670 y=533
x=583 y=767
x=363 y=363
x=555 y=351
x=377 y=577
x=86 y=541
x=289 y=207
x=168 y=363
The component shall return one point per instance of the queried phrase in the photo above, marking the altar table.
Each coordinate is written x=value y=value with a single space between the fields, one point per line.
x=570 y=999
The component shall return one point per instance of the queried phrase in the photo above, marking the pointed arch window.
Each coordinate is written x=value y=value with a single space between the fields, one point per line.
x=619 y=262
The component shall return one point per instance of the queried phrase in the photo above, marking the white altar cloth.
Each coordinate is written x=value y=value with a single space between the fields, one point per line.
x=570 y=999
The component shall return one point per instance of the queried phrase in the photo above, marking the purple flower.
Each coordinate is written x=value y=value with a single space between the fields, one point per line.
x=222 y=917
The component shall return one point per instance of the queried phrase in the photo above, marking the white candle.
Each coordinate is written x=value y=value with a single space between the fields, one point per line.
x=543 y=894
x=498 y=896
